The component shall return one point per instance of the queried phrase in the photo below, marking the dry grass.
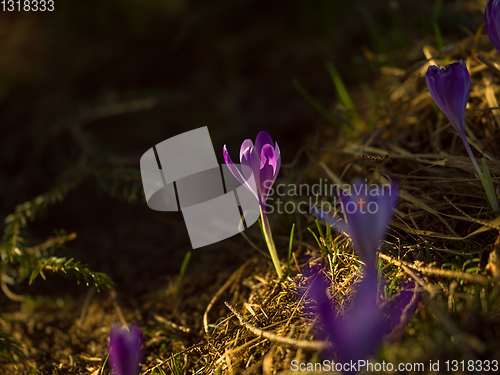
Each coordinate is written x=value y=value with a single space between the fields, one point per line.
x=443 y=238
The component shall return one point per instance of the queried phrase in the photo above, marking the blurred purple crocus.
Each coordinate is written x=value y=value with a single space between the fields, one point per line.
x=367 y=213
x=125 y=350
x=492 y=20
x=263 y=161
x=357 y=335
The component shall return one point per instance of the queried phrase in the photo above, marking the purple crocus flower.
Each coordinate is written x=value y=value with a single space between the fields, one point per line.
x=367 y=213
x=358 y=334
x=263 y=160
x=450 y=87
x=492 y=20
x=125 y=350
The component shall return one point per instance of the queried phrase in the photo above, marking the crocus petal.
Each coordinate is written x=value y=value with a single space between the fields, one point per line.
x=125 y=350
x=492 y=20
x=362 y=331
x=278 y=157
x=375 y=214
x=237 y=174
x=268 y=157
x=250 y=162
x=367 y=218
x=358 y=334
x=251 y=159
x=432 y=78
x=268 y=167
x=385 y=204
x=235 y=171
x=360 y=228
x=450 y=87
x=318 y=293
x=456 y=87
x=245 y=146
x=262 y=139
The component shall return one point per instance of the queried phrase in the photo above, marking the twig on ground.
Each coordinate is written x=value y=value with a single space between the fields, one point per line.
x=226 y=285
x=303 y=344
x=438 y=271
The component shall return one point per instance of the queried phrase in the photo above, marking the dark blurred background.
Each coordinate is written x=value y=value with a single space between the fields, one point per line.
x=89 y=87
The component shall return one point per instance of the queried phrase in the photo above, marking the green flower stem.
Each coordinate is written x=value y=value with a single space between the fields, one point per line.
x=472 y=158
x=488 y=186
x=485 y=178
x=270 y=243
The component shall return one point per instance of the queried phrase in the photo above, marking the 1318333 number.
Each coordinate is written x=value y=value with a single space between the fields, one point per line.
x=27 y=5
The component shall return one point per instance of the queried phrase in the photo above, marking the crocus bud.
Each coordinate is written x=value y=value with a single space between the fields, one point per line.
x=263 y=160
x=492 y=20
x=125 y=350
x=449 y=87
